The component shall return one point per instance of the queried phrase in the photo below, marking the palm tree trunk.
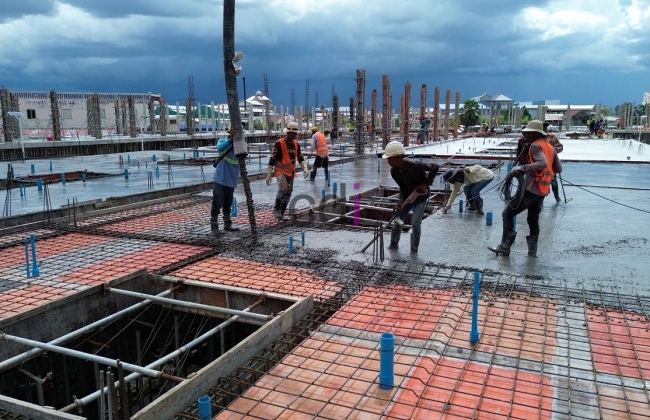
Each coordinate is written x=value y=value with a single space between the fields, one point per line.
x=241 y=149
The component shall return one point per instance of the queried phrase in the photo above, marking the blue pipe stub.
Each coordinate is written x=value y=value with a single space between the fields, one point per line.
x=386 y=355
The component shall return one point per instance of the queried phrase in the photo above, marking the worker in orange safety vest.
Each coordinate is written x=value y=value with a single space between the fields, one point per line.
x=283 y=161
x=319 y=145
x=543 y=165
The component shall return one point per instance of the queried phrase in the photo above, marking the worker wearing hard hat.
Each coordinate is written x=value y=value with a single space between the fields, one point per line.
x=286 y=152
x=225 y=178
x=410 y=175
x=319 y=146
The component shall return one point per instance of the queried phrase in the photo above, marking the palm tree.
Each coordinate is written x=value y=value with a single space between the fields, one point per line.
x=241 y=150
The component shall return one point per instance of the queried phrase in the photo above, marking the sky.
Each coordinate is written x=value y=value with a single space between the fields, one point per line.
x=575 y=51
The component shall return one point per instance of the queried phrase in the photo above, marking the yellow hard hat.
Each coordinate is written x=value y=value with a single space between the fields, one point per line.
x=314 y=128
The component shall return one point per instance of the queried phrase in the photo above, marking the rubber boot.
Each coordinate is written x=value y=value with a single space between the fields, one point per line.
x=471 y=205
x=507 y=240
x=214 y=227
x=394 y=239
x=556 y=190
x=479 y=206
x=312 y=175
x=276 y=210
x=532 y=245
x=415 y=242
x=227 y=225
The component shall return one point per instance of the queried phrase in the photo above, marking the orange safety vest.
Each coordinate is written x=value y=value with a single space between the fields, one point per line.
x=286 y=166
x=543 y=177
x=321 y=145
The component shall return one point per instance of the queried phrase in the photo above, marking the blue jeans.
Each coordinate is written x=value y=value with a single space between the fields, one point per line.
x=221 y=199
x=416 y=224
x=473 y=191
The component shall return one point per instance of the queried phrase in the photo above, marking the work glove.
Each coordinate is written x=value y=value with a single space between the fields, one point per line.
x=518 y=169
x=305 y=170
x=399 y=205
x=269 y=172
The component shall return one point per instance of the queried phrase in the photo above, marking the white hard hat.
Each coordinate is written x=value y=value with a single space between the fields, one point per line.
x=394 y=148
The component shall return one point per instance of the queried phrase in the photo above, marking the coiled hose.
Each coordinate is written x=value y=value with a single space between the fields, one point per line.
x=511 y=199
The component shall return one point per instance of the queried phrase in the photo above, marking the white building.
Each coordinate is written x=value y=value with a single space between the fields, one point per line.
x=36 y=109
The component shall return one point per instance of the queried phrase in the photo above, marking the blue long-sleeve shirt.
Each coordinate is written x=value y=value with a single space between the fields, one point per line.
x=227 y=171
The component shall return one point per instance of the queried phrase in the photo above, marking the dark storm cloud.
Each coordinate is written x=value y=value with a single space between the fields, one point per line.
x=471 y=46
x=15 y=9
x=167 y=8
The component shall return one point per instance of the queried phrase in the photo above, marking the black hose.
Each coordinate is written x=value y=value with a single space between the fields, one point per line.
x=506 y=193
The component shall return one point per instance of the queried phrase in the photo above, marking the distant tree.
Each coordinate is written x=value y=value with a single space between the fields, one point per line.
x=639 y=110
x=605 y=111
x=619 y=110
x=470 y=114
x=503 y=117
x=525 y=115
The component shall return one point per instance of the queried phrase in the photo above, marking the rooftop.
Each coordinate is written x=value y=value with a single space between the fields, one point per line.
x=563 y=335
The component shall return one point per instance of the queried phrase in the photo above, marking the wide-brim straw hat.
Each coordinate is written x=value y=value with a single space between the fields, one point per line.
x=535 y=125
x=291 y=128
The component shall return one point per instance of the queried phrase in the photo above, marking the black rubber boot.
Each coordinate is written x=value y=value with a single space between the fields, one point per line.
x=312 y=176
x=479 y=206
x=276 y=210
x=507 y=240
x=394 y=239
x=555 y=189
x=415 y=242
x=471 y=205
x=227 y=225
x=214 y=227
x=532 y=245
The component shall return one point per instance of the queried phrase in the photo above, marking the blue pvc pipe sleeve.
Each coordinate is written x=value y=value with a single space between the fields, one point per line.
x=386 y=356
x=473 y=334
x=205 y=410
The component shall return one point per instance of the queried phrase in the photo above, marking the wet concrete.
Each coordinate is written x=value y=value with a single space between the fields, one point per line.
x=590 y=242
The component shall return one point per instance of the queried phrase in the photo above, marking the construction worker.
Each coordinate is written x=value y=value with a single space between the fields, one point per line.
x=544 y=163
x=319 y=146
x=225 y=178
x=473 y=179
x=283 y=162
x=410 y=175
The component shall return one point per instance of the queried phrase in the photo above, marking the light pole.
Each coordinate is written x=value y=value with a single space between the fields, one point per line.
x=19 y=116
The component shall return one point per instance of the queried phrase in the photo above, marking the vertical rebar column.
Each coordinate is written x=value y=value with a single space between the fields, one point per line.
x=162 y=122
x=335 y=118
x=132 y=130
x=89 y=117
x=4 y=105
x=436 y=112
x=118 y=128
x=447 y=105
x=373 y=114
x=385 y=110
x=456 y=114
x=10 y=125
x=96 y=116
x=406 y=112
x=189 y=104
x=124 y=117
x=361 y=94
x=56 y=116
x=152 y=116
